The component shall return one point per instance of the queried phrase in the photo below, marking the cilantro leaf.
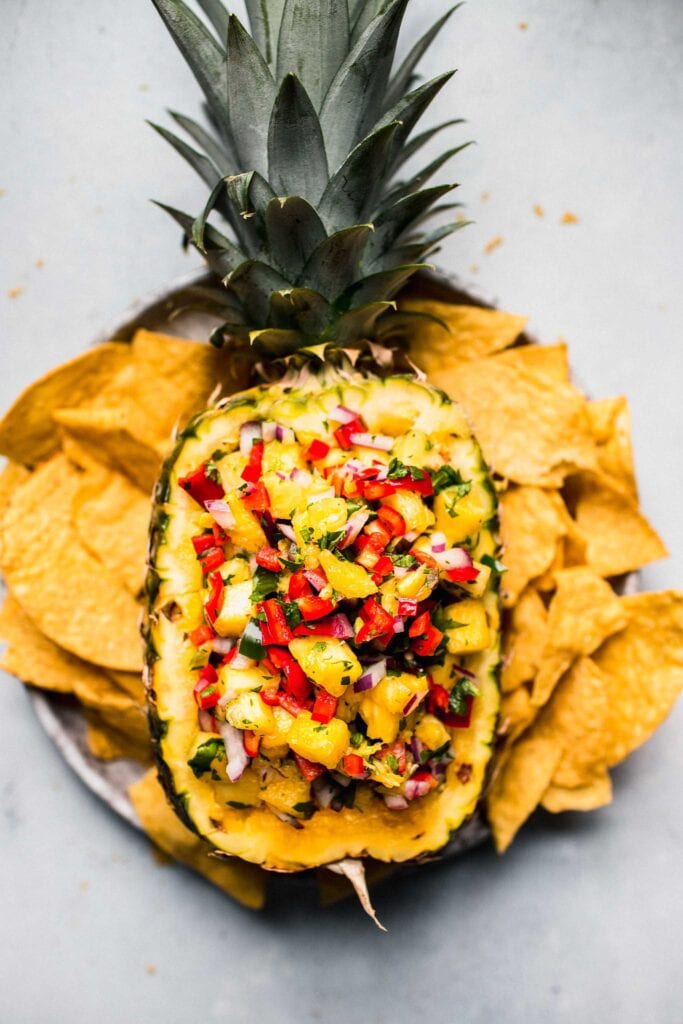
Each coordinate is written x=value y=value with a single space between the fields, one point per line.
x=205 y=754
x=263 y=584
x=493 y=564
x=457 y=702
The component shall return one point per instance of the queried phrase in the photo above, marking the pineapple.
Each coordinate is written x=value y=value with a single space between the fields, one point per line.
x=342 y=516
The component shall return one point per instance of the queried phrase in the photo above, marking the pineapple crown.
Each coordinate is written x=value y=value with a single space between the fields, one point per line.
x=310 y=127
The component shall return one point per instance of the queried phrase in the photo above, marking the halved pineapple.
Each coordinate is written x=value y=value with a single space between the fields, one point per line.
x=341 y=694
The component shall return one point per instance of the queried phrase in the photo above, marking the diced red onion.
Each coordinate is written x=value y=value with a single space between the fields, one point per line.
x=284 y=434
x=268 y=430
x=415 y=788
x=354 y=525
x=407 y=606
x=416 y=748
x=280 y=475
x=249 y=432
x=399 y=625
x=343 y=415
x=410 y=704
x=401 y=570
x=438 y=542
x=379 y=442
x=337 y=626
x=343 y=780
x=205 y=721
x=329 y=493
x=300 y=476
x=221 y=512
x=286 y=531
x=371 y=677
x=454 y=558
x=222 y=644
x=396 y=802
x=316 y=579
x=410 y=536
x=323 y=791
x=234 y=749
x=464 y=671
x=354 y=466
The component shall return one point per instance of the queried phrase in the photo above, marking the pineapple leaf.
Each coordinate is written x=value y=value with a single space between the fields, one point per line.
x=313 y=42
x=377 y=287
x=411 y=148
x=213 y=149
x=335 y=264
x=400 y=83
x=297 y=162
x=405 y=188
x=202 y=53
x=359 y=323
x=253 y=282
x=251 y=94
x=410 y=109
x=264 y=19
x=218 y=16
x=293 y=232
x=301 y=306
x=347 y=198
x=363 y=12
x=219 y=252
x=399 y=218
x=204 y=167
x=354 y=100
x=272 y=341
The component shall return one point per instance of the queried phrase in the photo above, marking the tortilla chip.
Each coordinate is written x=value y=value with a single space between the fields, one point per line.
x=27 y=433
x=111 y=517
x=524 y=640
x=610 y=420
x=132 y=684
x=109 y=744
x=72 y=598
x=111 y=437
x=244 y=882
x=595 y=794
x=643 y=666
x=532 y=429
x=175 y=377
x=552 y=360
x=34 y=659
x=116 y=708
x=472 y=333
x=519 y=788
x=12 y=476
x=516 y=714
x=619 y=538
x=584 y=611
x=577 y=718
x=532 y=524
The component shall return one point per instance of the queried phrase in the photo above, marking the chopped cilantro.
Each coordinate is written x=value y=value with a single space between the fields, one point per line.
x=211 y=471
x=330 y=540
x=446 y=476
x=392 y=761
x=292 y=614
x=457 y=702
x=493 y=564
x=356 y=739
x=306 y=534
x=205 y=754
x=263 y=584
x=404 y=561
x=353 y=506
x=319 y=646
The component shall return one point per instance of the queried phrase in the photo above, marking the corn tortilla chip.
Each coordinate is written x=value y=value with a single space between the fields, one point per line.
x=107 y=436
x=33 y=658
x=244 y=882
x=532 y=429
x=472 y=333
x=13 y=474
x=27 y=432
x=524 y=640
x=111 y=517
x=610 y=420
x=72 y=598
x=583 y=612
x=552 y=360
x=516 y=714
x=518 y=789
x=590 y=797
x=115 y=707
x=132 y=684
x=109 y=744
x=532 y=524
x=643 y=666
x=577 y=718
x=618 y=537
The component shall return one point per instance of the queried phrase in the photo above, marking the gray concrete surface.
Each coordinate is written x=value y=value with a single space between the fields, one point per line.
x=580 y=111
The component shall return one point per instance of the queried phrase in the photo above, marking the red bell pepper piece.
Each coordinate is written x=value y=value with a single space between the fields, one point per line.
x=375 y=490
x=291 y=704
x=309 y=769
x=392 y=519
x=325 y=627
x=343 y=434
x=206 y=690
x=276 y=621
x=201 y=635
x=316 y=450
x=268 y=558
x=212 y=559
x=258 y=499
x=325 y=707
x=378 y=532
x=459 y=721
x=298 y=586
x=425 y=776
x=464 y=574
x=398 y=750
x=252 y=743
x=369 y=550
x=202 y=542
x=353 y=765
x=425 y=559
x=216 y=588
x=407 y=606
x=383 y=568
x=377 y=621
x=271 y=697
x=296 y=681
x=420 y=626
x=313 y=607
x=428 y=637
x=201 y=487
x=252 y=470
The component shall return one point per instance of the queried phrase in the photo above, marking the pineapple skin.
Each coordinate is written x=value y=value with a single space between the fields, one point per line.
x=396 y=405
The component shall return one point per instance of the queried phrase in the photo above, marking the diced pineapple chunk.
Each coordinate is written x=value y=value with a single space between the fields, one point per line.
x=235 y=570
x=472 y=632
x=382 y=724
x=236 y=609
x=282 y=457
x=347 y=578
x=247 y=711
x=460 y=518
x=234 y=681
x=230 y=470
x=246 y=790
x=328 y=662
x=285 y=790
x=322 y=742
x=417 y=516
x=395 y=693
x=325 y=516
x=278 y=737
x=286 y=496
x=415 y=448
x=418 y=584
x=246 y=533
x=478 y=587
x=432 y=732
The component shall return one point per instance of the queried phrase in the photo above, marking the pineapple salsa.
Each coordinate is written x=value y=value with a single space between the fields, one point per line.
x=348 y=590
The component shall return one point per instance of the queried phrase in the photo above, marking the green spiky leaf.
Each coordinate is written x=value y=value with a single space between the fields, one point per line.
x=336 y=263
x=313 y=42
x=293 y=232
x=297 y=163
x=251 y=93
